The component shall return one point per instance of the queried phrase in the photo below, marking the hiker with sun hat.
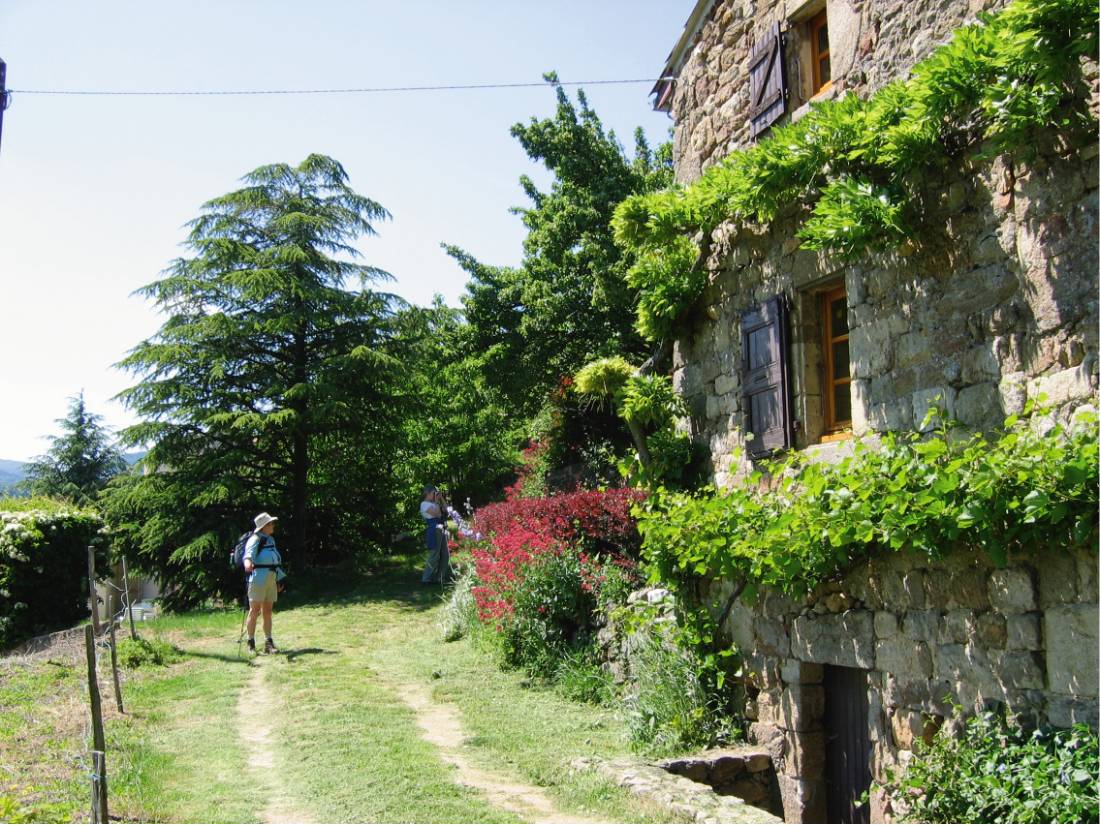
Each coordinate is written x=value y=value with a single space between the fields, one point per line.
x=262 y=563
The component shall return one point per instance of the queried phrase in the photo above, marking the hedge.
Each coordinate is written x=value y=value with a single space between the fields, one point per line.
x=44 y=565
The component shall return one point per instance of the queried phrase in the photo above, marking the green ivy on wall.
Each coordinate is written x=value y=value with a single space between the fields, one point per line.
x=1020 y=489
x=854 y=162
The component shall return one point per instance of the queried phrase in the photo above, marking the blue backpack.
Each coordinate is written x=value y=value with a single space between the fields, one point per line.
x=236 y=558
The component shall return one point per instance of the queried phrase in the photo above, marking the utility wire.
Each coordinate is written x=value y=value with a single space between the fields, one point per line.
x=364 y=90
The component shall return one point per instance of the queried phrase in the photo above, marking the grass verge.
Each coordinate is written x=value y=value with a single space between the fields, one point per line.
x=344 y=747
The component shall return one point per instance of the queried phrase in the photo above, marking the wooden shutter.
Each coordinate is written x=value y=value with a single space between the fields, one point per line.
x=764 y=378
x=767 y=82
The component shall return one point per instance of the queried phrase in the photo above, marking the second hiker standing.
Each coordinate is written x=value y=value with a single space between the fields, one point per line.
x=263 y=563
x=435 y=536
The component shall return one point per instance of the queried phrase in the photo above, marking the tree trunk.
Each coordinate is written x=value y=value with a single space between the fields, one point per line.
x=639 y=442
x=299 y=492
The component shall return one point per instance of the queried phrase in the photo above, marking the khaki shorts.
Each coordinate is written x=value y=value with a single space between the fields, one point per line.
x=267 y=590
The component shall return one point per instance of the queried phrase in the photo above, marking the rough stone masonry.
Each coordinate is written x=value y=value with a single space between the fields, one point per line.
x=995 y=303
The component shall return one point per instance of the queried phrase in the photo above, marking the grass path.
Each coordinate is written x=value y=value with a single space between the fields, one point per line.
x=365 y=716
x=255 y=731
x=441 y=726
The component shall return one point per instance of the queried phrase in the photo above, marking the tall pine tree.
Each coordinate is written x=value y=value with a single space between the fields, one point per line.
x=80 y=461
x=269 y=385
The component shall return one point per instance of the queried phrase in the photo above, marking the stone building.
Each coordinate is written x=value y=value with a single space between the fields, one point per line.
x=998 y=303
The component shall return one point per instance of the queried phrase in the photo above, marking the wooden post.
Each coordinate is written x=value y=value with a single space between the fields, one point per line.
x=93 y=603
x=99 y=778
x=93 y=691
x=114 y=669
x=99 y=787
x=129 y=599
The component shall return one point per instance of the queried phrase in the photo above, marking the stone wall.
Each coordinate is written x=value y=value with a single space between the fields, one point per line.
x=927 y=633
x=996 y=303
x=872 y=43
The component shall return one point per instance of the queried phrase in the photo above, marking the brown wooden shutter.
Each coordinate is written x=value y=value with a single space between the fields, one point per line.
x=764 y=378
x=767 y=82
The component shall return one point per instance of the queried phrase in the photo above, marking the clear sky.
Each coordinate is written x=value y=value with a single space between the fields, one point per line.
x=94 y=191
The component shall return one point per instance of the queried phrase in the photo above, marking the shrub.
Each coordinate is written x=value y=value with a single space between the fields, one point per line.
x=996 y=771
x=542 y=571
x=601 y=519
x=674 y=703
x=460 y=611
x=532 y=472
x=551 y=613
x=145 y=652
x=44 y=566
x=580 y=677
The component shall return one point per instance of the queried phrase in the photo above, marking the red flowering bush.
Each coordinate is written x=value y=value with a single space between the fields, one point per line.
x=542 y=567
x=598 y=518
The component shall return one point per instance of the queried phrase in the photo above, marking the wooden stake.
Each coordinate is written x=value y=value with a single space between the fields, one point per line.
x=93 y=690
x=129 y=599
x=114 y=670
x=99 y=787
x=93 y=602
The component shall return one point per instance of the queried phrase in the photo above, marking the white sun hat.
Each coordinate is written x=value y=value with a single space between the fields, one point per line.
x=263 y=519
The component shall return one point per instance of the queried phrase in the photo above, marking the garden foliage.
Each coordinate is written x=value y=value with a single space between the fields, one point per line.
x=650 y=407
x=675 y=703
x=799 y=522
x=994 y=770
x=543 y=569
x=134 y=653
x=44 y=566
x=856 y=164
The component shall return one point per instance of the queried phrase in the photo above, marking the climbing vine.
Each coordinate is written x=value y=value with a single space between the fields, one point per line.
x=799 y=522
x=856 y=162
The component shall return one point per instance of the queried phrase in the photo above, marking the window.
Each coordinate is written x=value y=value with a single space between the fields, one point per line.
x=764 y=385
x=819 y=53
x=767 y=81
x=837 y=390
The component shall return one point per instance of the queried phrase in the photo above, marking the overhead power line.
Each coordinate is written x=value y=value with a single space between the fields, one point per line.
x=349 y=91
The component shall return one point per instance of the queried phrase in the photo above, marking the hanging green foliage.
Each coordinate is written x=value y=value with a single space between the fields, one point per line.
x=1020 y=489
x=994 y=85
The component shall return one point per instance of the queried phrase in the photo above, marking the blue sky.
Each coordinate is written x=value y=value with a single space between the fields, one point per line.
x=94 y=191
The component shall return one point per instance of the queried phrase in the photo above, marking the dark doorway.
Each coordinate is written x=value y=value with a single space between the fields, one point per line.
x=847 y=744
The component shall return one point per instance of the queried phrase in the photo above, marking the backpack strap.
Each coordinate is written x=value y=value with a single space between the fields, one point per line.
x=264 y=538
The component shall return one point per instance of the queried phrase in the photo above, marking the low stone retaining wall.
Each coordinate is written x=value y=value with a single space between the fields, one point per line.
x=692 y=801
x=745 y=774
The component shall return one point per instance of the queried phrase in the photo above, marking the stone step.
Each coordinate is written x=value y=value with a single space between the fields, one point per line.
x=693 y=801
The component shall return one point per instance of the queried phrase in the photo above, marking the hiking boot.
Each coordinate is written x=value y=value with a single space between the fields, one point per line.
x=251 y=645
x=269 y=646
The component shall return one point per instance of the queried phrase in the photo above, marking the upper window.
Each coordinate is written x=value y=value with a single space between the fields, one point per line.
x=838 y=370
x=819 y=53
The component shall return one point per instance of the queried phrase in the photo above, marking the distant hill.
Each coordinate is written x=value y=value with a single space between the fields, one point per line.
x=13 y=472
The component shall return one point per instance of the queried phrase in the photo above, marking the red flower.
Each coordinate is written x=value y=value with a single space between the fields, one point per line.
x=520 y=531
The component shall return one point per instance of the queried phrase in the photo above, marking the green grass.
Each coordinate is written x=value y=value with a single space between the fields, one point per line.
x=35 y=736
x=346 y=747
